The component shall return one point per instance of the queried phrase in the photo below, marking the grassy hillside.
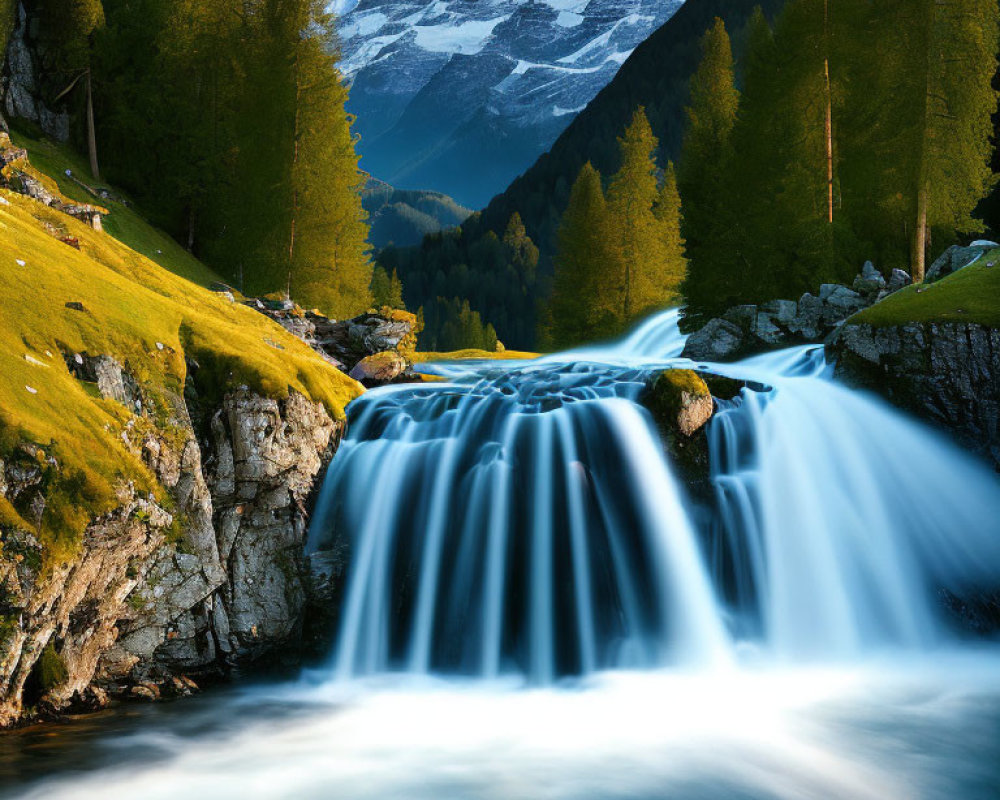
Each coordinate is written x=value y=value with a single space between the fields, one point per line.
x=969 y=295
x=149 y=316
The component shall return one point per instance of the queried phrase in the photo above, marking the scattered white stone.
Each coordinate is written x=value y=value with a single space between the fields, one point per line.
x=159 y=252
x=31 y=389
x=22 y=262
x=984 y=243
x=69 y=173
x=159 y=345
x=78 y=358
x=4 y=201
x=35 y=361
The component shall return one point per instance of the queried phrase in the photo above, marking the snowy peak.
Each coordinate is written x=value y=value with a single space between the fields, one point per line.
x=527 y=67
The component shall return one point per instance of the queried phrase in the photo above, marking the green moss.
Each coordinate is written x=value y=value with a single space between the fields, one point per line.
x=122 y=222
x=969 y=295
x=671 y=384
x=467 y=355
x=146 y=317
x=51 y=668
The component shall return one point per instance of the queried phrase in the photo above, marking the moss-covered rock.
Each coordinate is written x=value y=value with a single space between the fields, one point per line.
x=680 y=399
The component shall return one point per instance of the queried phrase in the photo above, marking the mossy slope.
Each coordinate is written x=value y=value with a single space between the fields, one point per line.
x=970 y=295
x=143 y=315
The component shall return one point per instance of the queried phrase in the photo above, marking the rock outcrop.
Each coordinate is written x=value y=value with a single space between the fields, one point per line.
x=19 y=89
x=947 y=373
x=207 y=579
x=749 y=329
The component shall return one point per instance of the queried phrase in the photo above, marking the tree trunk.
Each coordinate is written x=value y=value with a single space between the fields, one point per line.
x=829 y=111
x=919 y=256
x=190 y=236
x=91 y=131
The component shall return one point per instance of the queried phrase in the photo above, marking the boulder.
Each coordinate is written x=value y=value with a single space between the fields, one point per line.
x=870 y=281
x=955 y=258
x=718 y=340
x=899 y=279
x=379 y=368
x=681 y=399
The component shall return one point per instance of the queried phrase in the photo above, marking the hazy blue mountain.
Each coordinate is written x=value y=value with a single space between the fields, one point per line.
x=462 y=96
x=403 y=217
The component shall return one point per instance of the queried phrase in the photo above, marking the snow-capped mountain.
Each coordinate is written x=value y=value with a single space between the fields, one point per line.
x=461 y=96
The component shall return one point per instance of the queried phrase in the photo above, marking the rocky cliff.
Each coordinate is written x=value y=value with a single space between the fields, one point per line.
x=934 y=349
x=208 y=580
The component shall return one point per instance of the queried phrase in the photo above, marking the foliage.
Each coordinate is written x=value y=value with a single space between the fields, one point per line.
x=253 y=159
x=496 y=277
x=131 y=306
x=621 y=256
x=387 y=290
x=656 y=77
x=51 y=669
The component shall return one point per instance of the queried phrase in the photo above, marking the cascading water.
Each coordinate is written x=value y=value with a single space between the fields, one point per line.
x=525 y=519
x=776 y=634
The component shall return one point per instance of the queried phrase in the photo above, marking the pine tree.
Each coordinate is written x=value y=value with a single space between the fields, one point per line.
x=702 y=171
x=638 y=241
x=581 y=307
x=919 y=135
x=668 y=279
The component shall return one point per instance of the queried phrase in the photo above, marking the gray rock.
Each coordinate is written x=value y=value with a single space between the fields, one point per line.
x=719 y=340
x=898 y=280
x=808 y=321
x=949 y=374
x=870 y=281
x=841 y=303
x=781 y=311
x=953 y=259
x=745 y=317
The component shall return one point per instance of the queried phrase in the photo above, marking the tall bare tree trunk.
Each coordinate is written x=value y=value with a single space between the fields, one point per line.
x=919 y=256
x=829 y=110
x=91 y=131
x=294 y=175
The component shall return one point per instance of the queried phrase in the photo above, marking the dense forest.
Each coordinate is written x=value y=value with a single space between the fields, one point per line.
x=225 y=121
x=655 y=77
x=862 y=130
x=808 y=140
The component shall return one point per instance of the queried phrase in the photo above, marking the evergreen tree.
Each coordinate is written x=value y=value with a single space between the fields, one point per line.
x=581 y=307
x=673 y=267
x=387 y=291
x=919 y=138
x=702 y=171
x=632 y=195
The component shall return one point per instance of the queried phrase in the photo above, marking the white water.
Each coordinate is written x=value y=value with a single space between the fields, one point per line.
x=535 y=607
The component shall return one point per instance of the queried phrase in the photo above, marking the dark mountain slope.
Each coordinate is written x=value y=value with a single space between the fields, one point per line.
x=656 y=76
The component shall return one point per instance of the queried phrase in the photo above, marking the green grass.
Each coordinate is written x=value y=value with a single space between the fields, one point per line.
x=970 y=295
x=147 y=317
x=466 y=355
x=123 y=222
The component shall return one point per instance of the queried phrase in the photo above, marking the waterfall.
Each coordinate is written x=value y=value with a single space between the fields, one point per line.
x=524 y=518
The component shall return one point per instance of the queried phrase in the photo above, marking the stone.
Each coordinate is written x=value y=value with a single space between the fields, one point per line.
x=769 y=333
x=954 y=259
x=946 y=373
x=808 y=320
x=745 y=317
x=870 y=281
x=840 y=304
x=681 y=399
x=899 y=279
x=781 y=311
x=379 y=368
x=718 y=340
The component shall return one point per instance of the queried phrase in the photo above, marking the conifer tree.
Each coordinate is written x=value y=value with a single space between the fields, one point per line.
x=920 y=134
x=702 y=171
x=673 y=268
x=585 y=286
x=638 y=241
